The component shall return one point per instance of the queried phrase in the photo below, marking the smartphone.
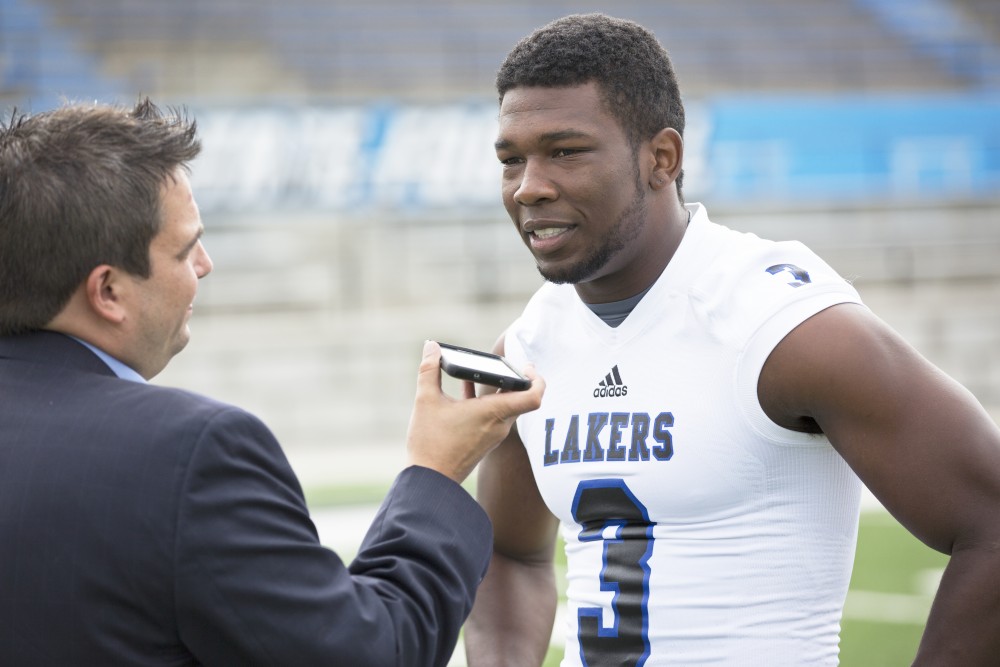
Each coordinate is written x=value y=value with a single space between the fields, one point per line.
x=481 y=367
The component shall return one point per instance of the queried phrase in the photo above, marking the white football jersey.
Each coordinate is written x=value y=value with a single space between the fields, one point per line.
x=697 y=531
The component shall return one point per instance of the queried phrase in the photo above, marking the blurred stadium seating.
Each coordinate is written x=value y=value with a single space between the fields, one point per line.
x=349 y=186
x=443 y=49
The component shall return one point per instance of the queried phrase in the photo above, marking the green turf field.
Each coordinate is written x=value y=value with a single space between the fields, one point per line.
x=894 y=579
x=889 y=561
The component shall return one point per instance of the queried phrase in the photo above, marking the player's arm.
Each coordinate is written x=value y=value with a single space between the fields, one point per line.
x=511 y=621
x=921 y=443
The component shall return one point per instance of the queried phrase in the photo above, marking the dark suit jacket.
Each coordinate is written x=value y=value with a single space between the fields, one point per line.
x=142 y=525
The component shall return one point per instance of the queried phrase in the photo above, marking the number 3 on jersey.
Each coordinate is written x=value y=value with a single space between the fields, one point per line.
x=598 y=505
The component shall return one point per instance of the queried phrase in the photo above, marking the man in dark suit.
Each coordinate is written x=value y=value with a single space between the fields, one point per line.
x=147 y=525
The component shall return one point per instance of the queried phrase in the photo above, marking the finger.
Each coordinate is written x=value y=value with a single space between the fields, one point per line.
x=514 y=403
x=429 y=375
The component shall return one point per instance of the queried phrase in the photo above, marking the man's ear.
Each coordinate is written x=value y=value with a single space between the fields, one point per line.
x=106 y=288
x=667 y=156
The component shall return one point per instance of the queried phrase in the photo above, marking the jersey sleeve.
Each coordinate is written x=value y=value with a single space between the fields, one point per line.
x=761 y=296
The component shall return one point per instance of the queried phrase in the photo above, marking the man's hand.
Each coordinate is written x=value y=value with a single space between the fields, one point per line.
x=452 y=435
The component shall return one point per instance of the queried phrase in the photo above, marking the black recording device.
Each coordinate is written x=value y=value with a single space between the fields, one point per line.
x=481 y=367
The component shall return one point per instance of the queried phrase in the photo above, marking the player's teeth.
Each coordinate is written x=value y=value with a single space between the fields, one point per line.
x=549 y=232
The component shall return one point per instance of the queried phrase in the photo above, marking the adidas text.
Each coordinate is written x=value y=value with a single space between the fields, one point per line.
x=611 y=385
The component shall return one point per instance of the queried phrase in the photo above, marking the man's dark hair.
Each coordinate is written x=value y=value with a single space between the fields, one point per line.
x=627 y=62
x=80 y=186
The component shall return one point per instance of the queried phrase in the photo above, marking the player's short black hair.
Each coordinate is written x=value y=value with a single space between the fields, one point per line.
x=627 y=62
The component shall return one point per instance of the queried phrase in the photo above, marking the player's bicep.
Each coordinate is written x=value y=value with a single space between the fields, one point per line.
x=523 y=526
x=919 y=441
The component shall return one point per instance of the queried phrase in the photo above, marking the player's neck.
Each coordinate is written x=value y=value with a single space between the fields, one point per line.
x=642 y=267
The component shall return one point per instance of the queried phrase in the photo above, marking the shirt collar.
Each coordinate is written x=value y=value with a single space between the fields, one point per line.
x=119 y=369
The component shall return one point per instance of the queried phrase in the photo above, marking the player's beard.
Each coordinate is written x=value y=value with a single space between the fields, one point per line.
x=625 y=230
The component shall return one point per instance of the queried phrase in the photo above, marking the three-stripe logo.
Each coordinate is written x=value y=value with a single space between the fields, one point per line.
x=611 y=385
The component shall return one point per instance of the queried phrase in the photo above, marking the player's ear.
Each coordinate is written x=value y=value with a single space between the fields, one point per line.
x=106 y=288
x=666 y=151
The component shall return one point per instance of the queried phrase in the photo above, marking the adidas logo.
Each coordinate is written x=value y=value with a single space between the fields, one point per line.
x=611 y=385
